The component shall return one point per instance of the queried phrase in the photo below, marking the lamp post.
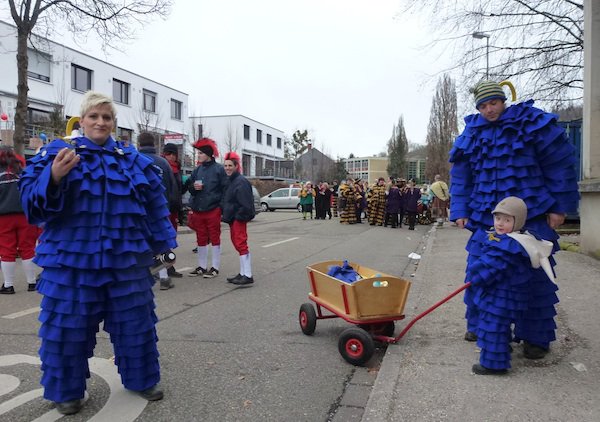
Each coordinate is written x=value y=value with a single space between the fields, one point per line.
x=480 y=35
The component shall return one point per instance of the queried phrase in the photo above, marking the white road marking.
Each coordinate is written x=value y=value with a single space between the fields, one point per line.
x=122 y=405
x=184 y=269
x=280 y=242
x=22 y=313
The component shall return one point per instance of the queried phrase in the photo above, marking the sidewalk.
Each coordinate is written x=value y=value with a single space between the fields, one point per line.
x=427 y=375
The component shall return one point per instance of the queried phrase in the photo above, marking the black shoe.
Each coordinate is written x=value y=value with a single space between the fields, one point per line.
x=166 y=284
x=195 y=250
x=211 y=273
x=532 y=351
x=69 y=407
x=197 y=271
x=7 y=290
x=243 y=281
x=31 y=287
x=172 y=272
x=470 y=336
x=152 y=393
x=232 y=279
x=482 y=370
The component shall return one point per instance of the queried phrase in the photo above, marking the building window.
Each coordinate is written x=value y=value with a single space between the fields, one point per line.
x=81 y=78
x=200 y=131
x=278 y=143
x=258 y=136
x=247 y=132
x=120 y=91
x=269 y=140
x=149 y=101
x=39 y=65
x=125 y=135
x=176 y=107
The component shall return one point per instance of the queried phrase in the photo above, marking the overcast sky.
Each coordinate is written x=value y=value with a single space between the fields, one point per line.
x=345 y=70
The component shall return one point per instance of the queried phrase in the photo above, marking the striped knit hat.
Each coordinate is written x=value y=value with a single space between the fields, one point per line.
x=486 y=91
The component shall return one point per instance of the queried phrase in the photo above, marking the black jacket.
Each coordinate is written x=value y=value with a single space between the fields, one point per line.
x=238 y=201
x=10 y=198
x=214 y=179
x=172 y=194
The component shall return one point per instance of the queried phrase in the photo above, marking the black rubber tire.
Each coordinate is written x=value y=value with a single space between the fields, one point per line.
x=264 y=207
x=382 y=328
x=356 y=346
x=307 y=317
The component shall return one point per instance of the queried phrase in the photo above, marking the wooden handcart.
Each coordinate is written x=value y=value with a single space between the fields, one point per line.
x=372 y=304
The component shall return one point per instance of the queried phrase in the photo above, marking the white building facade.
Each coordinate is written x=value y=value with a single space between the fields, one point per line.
x=58 y=77
x=260 y=146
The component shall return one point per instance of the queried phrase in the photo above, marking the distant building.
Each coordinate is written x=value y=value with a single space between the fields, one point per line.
x=313 y=165
x=260 y=146
x=367 y=168
x=58 y=77
x=415 y=162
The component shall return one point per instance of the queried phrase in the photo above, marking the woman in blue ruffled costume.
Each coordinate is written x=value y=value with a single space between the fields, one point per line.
x=513 y=151
x=105 y=216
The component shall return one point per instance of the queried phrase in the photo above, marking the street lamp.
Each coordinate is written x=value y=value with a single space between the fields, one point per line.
x=481 y=35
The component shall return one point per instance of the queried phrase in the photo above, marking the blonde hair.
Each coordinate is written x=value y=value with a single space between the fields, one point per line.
x=93 y=99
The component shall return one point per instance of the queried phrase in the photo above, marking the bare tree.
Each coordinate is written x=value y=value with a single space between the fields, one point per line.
x=232 y=141
x=442 y=129
x=397 y=150
x=536 y=43
x=110 y=20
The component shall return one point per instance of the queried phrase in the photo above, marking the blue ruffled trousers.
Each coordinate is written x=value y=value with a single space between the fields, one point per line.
x=71 y=317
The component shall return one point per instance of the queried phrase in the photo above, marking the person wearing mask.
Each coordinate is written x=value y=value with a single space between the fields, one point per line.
x=207 y=185
x=17 y=236
x=146 y=143
x=105 y=218
x=238 y=210
x=376 y=200
x=519 y=151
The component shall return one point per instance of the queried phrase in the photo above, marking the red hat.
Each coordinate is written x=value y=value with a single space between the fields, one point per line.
x=207 y=146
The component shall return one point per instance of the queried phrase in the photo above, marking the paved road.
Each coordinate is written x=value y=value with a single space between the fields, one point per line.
x=227 y=354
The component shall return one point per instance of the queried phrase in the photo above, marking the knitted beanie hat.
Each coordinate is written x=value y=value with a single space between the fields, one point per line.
x=515 y=207
x=488 y=90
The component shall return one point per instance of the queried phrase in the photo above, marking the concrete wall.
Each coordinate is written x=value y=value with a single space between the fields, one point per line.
x=590 y=185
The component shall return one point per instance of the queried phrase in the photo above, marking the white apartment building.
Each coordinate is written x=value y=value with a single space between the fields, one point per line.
x=58 y=76
x=260 y=146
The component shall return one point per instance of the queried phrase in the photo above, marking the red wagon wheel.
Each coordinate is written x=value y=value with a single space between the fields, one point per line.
x=307 y=318
x=356 y=346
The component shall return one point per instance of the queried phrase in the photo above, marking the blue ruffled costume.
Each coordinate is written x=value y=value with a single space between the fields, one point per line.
x=525 y=153
x=500 y=282
x=102 y=226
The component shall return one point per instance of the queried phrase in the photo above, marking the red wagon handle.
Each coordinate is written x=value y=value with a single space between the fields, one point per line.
x=421 y=315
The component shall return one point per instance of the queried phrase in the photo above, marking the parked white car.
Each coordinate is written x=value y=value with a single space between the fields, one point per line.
x=284 y=198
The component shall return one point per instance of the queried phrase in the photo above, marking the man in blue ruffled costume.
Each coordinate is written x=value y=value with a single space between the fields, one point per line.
x=105 y=216
x=513 y=151
x=500 y=281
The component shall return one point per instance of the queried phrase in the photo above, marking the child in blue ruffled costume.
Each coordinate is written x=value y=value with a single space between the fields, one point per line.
x=513 y=151
x=500 y=282
x=105 y=218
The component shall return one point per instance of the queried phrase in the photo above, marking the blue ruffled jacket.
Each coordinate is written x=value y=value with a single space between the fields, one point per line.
x=107 y=213
x=525 y=153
